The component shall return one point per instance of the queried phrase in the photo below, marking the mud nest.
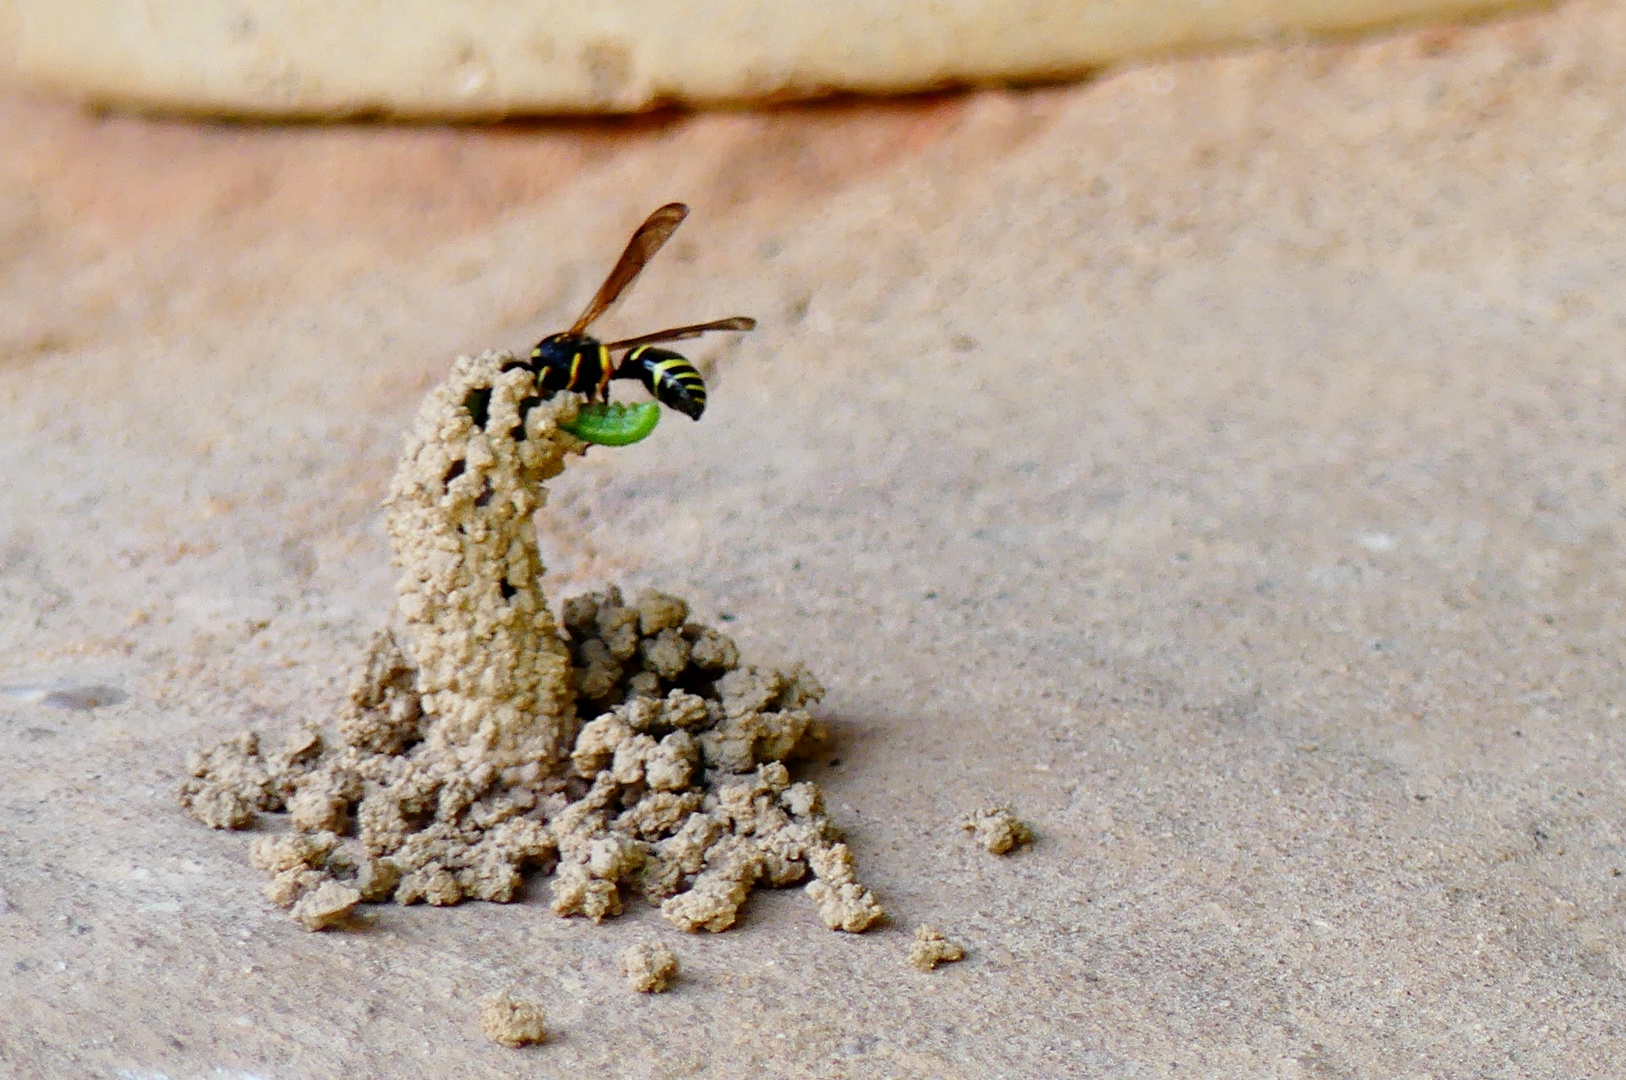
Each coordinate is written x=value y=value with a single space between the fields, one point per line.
x=460 y=766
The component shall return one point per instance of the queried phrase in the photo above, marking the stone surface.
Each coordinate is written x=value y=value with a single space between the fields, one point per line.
x=1220 y=462
x=484 y=58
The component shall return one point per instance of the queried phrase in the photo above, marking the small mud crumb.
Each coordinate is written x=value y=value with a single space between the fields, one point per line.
x=376 y=879
x=287 y=886
x=849 y=907
x=843 y=903
x=998 y=829
x=219 y=806
x=229 y=784
x=649 y=967
x=329 y=904
x=931 y=948
x=713 y=901
x=512 y=1021
x=291 y=851
x=658 y=611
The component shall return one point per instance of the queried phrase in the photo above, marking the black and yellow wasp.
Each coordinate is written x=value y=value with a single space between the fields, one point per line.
x=575 y=360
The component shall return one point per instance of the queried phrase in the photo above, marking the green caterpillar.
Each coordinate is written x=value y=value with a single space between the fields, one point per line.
x=615 y=425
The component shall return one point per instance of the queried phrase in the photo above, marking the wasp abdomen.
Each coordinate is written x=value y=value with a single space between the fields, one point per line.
x=669 y=378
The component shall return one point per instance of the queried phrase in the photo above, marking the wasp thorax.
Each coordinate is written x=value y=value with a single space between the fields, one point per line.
x=571 y=362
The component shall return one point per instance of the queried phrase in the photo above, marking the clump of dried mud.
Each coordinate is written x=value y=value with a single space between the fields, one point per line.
x=930 y=948
x=998 y=829
x=460 y=765
x=513 y=1021
x=649 y=967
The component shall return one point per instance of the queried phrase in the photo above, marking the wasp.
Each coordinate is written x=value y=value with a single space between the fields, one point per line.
x=575 y=360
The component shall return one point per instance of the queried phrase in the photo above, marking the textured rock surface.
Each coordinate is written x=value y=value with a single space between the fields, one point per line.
x=1220 y=462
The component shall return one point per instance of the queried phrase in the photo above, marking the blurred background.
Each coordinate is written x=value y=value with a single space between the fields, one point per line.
x=1198 y=423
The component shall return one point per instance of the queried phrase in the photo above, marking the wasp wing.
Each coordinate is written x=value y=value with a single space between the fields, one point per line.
x=656 y=230
x=683 y=333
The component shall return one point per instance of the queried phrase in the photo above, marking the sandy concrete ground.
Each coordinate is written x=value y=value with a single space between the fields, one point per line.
x=1223 y=460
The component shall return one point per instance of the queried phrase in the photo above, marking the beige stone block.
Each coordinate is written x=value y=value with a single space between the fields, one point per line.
x=488 y=58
